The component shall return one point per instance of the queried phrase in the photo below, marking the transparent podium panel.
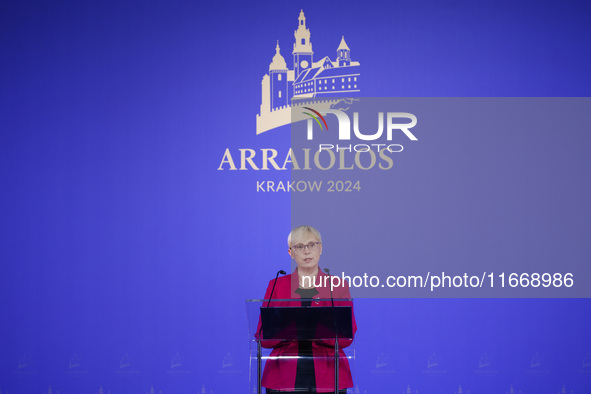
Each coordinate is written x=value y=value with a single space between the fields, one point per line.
x=292 y=346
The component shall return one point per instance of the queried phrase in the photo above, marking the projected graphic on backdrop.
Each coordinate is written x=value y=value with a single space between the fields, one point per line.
x=149 y=178
x=308 y=78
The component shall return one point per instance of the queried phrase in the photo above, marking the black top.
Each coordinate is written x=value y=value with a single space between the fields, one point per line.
x=305 y=378
x=307 y=293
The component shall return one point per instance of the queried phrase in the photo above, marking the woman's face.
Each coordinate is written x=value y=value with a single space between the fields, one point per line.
x=306 y=252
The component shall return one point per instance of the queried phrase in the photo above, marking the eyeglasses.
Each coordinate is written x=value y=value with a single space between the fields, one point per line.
x=312 y=247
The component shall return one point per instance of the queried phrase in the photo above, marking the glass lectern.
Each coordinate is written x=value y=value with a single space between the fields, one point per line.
x=295 y=345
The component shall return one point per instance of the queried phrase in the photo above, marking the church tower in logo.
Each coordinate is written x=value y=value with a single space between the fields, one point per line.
x=279 y=82
x=302 y=47
x=343 y=54
x=325 y=79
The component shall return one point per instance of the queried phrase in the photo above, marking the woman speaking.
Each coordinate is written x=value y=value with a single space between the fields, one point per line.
x=306 y=366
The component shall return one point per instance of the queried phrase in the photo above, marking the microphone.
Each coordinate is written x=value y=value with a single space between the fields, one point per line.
x=331 y=298
x=271 y=296
x=274 y=283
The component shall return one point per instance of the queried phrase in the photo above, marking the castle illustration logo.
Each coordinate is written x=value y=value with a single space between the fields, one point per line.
x=323 y=79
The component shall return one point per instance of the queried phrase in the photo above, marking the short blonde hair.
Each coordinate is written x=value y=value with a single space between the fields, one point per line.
x=300 y=232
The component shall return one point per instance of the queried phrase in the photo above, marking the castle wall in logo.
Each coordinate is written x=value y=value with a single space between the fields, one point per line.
x=308 y=79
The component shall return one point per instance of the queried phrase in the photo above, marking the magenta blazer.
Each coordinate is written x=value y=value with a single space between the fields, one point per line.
x=280 y=373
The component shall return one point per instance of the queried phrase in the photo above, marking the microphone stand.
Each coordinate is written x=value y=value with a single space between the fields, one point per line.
x=259 y=351
x=336 y=339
